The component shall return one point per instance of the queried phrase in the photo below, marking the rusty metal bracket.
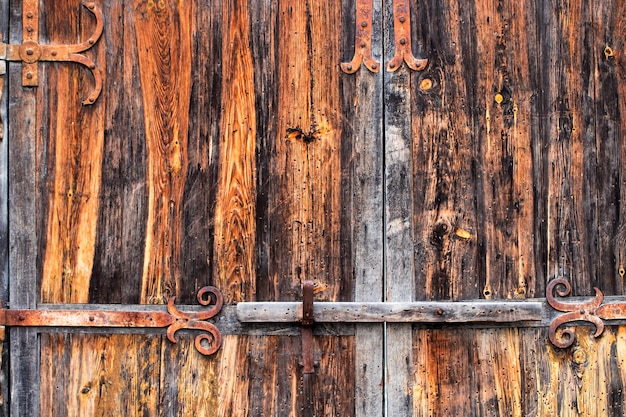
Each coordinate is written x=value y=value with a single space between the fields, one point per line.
x=402 y=38
x=592 y=311
x=30 y=52
x=307 y=326
x=362 y=41
x=207 y=343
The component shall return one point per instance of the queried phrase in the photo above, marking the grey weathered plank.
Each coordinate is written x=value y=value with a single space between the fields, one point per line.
x=394 y=312
x=22 y=234
x=398 y=235
x=4 y=226
x=368 y=222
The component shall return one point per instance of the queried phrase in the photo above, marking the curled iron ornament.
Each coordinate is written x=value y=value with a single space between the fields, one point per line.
x=196 y=321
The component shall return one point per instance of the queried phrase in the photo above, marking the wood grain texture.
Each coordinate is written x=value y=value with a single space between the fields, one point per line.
x=102 y=375
x=305 y=206
x=233 y=256
x=23 y=259
x=163 y=31
x=74 y=146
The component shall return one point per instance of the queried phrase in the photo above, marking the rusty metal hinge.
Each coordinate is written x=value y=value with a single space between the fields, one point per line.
x=30 y=52
x=402 y=40
x=206 y=343
x=591 y=311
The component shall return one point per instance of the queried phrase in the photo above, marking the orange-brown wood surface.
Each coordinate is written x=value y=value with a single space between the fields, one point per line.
x=227 y=148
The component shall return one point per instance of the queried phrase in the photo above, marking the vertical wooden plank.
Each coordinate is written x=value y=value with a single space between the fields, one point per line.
x=102 y=375
x=74 y=165
x=398 y=226
x=305 y=207
x=121 y=227
x=607 y=71
x=164 y=43
x=189 y=381
x=233 y=254
x=366 y=184
x=559 y=27
x=503 y=149
x=24 y=368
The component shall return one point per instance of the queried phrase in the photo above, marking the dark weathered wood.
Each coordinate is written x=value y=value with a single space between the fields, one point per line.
x=395 y=312
x=72 y=171
x=24 y=366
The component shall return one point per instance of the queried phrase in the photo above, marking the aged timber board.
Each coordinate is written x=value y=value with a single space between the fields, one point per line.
x=505 y=171
x=221 y=151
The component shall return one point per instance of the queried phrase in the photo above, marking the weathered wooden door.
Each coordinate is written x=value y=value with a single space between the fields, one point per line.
x=228 y=148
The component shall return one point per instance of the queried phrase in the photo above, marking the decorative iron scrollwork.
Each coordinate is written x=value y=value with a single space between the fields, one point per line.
x=592 y=311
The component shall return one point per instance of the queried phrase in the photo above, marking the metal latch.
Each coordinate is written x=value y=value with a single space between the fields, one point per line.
x=30 y=52
x=208 y=342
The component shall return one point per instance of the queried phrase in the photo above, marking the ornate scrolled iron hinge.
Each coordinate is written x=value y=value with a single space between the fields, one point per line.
x=207 y=343
x=30 y=52
x=402 y=40
x=592 y=311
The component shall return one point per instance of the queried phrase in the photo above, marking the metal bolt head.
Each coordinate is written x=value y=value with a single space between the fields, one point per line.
x=29 y=51
x=29 y=76
x=402 y=19
x=29 y=15
x=53 y=53
x=364 y=24
x=402 y=41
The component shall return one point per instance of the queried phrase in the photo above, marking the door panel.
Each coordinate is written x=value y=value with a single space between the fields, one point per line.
x=226 y=149
x=504 y=171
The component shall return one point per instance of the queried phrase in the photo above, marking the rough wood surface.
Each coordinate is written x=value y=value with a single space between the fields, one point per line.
x=24 y=366
x=395 y=312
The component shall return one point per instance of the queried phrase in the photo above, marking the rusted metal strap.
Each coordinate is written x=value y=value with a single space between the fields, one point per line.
x=206 y=343
x=592 y=311
x=362 y=41
x=402 y=39
x=30 y=52
x=307 y=329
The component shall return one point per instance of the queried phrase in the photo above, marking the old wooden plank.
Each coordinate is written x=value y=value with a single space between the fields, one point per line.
x=24 y=366
x=102 y=375
x=205 y=114
x=563 y=125
x=122 y=216
x=604 y=60
x=233 y=255
x=366 y=213
x=619 y=44
x=306 y=169
x=445 y=104
x=189 y=381
x=164 y=44
x=74 y=152
x=394 y=312
x=502 y=147
x=398 y=235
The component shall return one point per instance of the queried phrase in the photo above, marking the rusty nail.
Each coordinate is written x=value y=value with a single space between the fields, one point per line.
x=363 y=45
x=349 y=67
x=374 y=66
x=91 y=6
x=91 y=318
x=54 y=53
x=439 y=311
x=364 y=24
x=392 y=65
x=29 y=76
x=21 y=318
x=91 y=41
x=29 y=28
x=91 y=99
x=29 y=15
x=402 y=19
x=29 y=52
x=402 y=41
x=92 y=66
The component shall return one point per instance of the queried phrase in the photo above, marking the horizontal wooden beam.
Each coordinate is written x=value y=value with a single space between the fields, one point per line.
x=394 y=312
